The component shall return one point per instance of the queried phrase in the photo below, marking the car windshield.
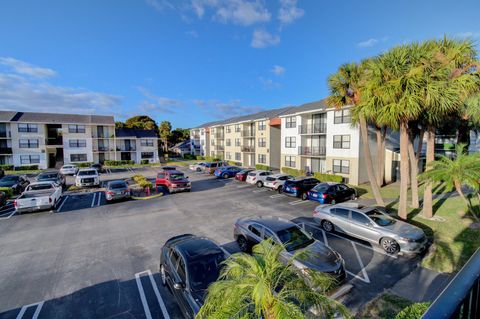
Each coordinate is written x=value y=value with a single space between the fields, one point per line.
x=252 y=174
x=380 y=218
x=321 y=188
x=87 y=173
x=9 y=179
x=47 y=176
x=294 y=238
x=270 y=179
x=205 y=270
x=243 y=171
x=39 y=187
x=117 y=185
x=67 y=167
x=176 y=177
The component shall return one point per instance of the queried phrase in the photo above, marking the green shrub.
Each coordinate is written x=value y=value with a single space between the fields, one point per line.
x=414 y=311
x=200 y=158
x=119 y=163
x=189 y=156
x=144 y=161
x=86 y=164
x=293 y=171
x=262 y=167
x=26 y=168
x=7 y=190
x=6 y=167
x=74 y=188
x=138 y=178
x=212 y=159
x=233 y=163
x=328 y=177
x=145 y=184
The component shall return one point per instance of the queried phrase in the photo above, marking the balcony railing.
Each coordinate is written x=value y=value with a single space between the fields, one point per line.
x=312 y=151
x=196 y=137
x=54 y=141
x=219 y=135
x=461 y=298
x=319 y=128
x=248 y=149
x=219 y=147
x=126 y=149
x=248 y=133
x=5 y=150
x=5 y=134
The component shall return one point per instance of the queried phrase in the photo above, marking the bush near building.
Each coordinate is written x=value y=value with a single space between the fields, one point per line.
x=212 y=159
x=119 y=163
x=144 y=162
x=83 y=165
x=6 y=167
x=293 y=171
x=262 y=167
x=328 y=177
x=200 y=158
x=26 y=168
x=189 y=157
x=7 y=190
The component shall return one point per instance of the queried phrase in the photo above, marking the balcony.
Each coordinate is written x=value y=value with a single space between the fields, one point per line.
x=197 y=147
x=219 y=135
x=248 y=133
x=248 y=149
x=126 y=148
x=312 y=151
x=196 y=137
x=5 y=150
x=103 y=149
x=319 y=128
x=54 y=141
x=5 y=134
x=219 y=147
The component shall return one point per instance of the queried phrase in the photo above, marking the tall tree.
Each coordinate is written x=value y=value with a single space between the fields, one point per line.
x=164 y=131
x=179 y=135
x=119 y=124
x=143 y=122
x=345 y=87
x=261 y=286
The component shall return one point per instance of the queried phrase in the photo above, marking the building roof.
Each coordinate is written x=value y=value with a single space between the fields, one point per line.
x=54 y=118
x=312 y=106
x=132 y=132
x=184 y=144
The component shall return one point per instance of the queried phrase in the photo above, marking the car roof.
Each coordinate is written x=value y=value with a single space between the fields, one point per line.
x=278 y=175
x=172 y=171
x=272 y=222
x=118 y=181
x=48 y=172
x=329 y=183
x=193 y=247
x=87 y=169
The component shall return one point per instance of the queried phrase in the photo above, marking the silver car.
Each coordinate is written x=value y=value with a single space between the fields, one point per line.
x=371 y=224
x=276 y=181
x=69 y=170
x=117 y=190
x=197 y=167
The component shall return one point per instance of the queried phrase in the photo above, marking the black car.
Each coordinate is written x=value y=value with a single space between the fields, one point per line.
x=16 y=182
x=332 y=193
x=299 y=186
x=53 y=176
x=169 y=168
x=188 y=265
x=98 y=167
x=3 y=199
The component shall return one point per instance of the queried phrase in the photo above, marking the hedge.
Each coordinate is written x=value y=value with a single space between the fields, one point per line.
x=86 y=164
x=262 y=167
x=414 y=311
x=189 y=156
x=233 y=163
x=212 y=159
x=138 y=178
x=200 y=158
x=119 y=163
x=144 y=161
x=293 y=171
x=26 y=168
x=328 y=177
x=7 y=190
x=6 y=167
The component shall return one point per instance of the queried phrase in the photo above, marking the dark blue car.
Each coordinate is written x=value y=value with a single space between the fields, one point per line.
x=227 y=171
x=331 y=193
x=299 y=186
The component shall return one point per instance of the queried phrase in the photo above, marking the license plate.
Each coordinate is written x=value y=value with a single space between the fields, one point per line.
x=287 y=188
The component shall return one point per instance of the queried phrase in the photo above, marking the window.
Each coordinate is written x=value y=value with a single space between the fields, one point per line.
x=237 y=142
x=262 y=126
x=262 y=158
x=254 y=229
x=262 y=142
x=291 y=122
x=212 y=142
x=181 y=270
x=359 y=218
x=290 y=161
x=342 y=116
x=29 y=128
x=78 y=157
x=237 y=127
x=341 y=141
x=238 y=156
x=147 y=154
x=228 y=142
x=340 y=212
x=29 y=159
x=73 y=128
x=290 y=142
x=28 y=143
x=228 y=155
x=148 y=142
x=267 y=234
x=202 y=132
x=229 y=129
x=341 y=166
x=77 y=143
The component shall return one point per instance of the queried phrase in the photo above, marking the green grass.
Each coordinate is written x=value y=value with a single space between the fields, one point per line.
x=385 y=306
x=23 y=172
x=133 y=165
x=393 y=190
x=182 y=162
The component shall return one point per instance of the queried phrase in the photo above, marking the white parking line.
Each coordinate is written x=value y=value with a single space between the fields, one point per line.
x=8 y=217
x=242 y=186
x=93 y=199
x=63 y=202
x=277 y=196
x=38 y=306
x=261 y=190
x=298 y=202
x=6 y=208
x=148 y=314
x=99 y=198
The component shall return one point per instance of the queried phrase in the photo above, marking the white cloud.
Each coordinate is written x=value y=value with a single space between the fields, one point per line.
x=157 y=103
x=278 y=70
x=159 y=5
x=242 y=12
x=269 y=84
x=262 y=39
x=226 y=109
x=289 y=11
x=22 y=67
x=468 y=34
x=372 y=41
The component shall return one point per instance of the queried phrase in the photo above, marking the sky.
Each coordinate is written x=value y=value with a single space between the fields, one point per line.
x=194 y=61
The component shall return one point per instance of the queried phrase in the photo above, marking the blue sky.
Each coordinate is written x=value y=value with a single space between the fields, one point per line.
x=193 y=61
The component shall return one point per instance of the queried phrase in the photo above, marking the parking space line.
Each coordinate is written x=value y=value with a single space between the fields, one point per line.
x=93 y=199
x=63 y=202
x=148 y=314
x=8 y=217
x=242 y=186
x=298 y=202
x=5 y=208
x=261 y=190
x=99 y=198
x=364 y=272
x=38 y=306
x=277 y=196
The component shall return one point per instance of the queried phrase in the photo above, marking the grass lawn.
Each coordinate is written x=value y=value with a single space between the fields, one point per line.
x=393 y=190
x=133 y=165
x=182 y=162
x=385 y=306
x=23 y=172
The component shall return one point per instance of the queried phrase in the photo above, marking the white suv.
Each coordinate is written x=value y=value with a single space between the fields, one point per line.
x=257 y=177
x=87 y=177
x=276 y=181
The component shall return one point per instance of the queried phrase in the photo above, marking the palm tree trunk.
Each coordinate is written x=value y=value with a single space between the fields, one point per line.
x=430 y=157
x=413 y=173
x=369 y=163
x=380 y=132
x=404 y=165
x=458 y=188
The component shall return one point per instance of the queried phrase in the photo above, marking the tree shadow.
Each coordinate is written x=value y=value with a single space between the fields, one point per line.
x=360 y=191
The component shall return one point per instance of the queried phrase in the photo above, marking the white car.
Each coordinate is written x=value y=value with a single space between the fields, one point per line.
x=69 y=169
x=257 y=177
x=38 y=196
x=276 y=181
x=197 y=167
x=87 y=177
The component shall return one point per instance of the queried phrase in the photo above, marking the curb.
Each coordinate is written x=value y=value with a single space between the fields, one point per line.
x=149 y=197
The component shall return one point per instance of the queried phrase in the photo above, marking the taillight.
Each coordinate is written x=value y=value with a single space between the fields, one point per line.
x=324 y=196
x=254 y=178
x=50 y=200
x=295 y=188
x=15 y=204
x=274 y=183
x=110 y=193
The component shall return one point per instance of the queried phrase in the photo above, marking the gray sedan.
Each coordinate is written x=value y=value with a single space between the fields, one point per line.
x=371 y=224
x=314 y=255
x=117 y=190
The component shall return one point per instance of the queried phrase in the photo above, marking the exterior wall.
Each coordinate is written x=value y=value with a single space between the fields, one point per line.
x=289 y=132
x=274 y=147
x=67 y=150
x=232 y=135
x=151 y=149
x=262 y=150
x=17 y=151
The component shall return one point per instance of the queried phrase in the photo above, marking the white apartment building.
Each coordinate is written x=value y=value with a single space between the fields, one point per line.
x=51 y=140
x=136 y=145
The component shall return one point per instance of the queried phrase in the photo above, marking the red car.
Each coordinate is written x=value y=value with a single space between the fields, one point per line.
x=174 y=181
x=242 y=175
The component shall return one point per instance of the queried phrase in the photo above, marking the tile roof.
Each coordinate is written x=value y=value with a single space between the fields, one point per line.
x=54 y=118
x=131 y=132
x=312 y=106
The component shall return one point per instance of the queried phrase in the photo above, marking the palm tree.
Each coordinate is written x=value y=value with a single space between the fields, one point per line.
x=463 y=170
x=345 y=89
x=259 y=285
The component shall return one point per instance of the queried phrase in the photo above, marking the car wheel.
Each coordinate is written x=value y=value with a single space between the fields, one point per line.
x=198 y=169
x=225 y=175
x=163 y=275
x=304 y=196
x=353 y=197
x=327 y=226
x=259 y=184
x=333 y=202
x=279 y=190
x=242 y=244
x=389 y=245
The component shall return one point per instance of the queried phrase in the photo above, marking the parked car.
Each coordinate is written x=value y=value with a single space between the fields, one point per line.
x=16 y=182
x=188 y=265
x=227 y=171
x=2 y=173
x=197 y=167
x=317 y=256
x=69 y=169
x=169 y=168
x=38 y=196
x=51 y=176
x=242 y=175
x=371 y=224
x=87 y=177
x=257 y=177
x=174 y=181
x=331 y=193
x=212 y=166
x=98 y=167
x=276 y=181
x=3 y=199
x=115 y=190
x=299 y=186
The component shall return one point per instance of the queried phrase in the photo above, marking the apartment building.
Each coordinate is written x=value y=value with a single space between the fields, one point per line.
x=200 y=139
x=51 y=140
x=136 y=145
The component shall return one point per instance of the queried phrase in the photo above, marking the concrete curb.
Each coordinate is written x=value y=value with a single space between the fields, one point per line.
x=147 y=198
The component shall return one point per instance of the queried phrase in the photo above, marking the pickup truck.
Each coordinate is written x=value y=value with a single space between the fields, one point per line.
x=87 y=177
x=174 y=181
x=38 y=196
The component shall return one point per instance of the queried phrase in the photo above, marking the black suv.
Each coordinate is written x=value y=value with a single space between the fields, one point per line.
x=299 y=186
x=188 y=265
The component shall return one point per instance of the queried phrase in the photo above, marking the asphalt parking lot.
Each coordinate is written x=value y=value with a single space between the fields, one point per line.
x=89 y=259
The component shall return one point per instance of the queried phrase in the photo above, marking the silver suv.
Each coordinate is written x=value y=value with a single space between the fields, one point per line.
x=371 y=224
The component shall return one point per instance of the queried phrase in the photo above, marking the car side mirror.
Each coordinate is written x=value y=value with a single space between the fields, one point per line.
x=179 y=285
